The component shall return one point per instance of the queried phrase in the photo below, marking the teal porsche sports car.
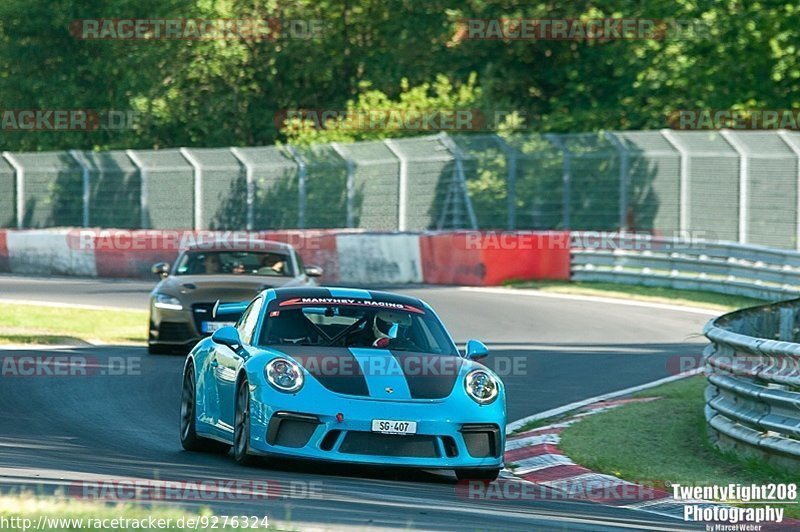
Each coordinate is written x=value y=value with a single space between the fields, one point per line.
x=344 y=375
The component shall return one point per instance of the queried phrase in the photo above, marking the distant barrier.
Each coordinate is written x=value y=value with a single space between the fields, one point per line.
x=347 y=256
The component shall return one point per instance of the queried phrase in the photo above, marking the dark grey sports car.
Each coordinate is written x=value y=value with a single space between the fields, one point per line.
x=183 y=303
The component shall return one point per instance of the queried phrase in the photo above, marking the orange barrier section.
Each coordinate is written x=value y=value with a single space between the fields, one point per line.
x=4 y=265
x=490 y=258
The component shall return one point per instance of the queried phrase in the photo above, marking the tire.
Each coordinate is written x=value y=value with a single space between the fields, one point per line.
x=241 y=426
x=189 y=438
x=477 y=474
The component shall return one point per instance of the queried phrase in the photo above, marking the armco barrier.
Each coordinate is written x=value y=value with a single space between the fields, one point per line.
x=725 y=267
x=347 y=256
x=753 y=394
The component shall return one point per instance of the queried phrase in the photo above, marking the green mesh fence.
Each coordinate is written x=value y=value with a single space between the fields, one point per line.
x=223 y=189
x=53 y=191
x=487 y=178
x=169 y=189
x=376 y=182
x=430 y=180
x=275 y=180
x=713 y=184
x=8 y=208
x=653 y=202
x=325 y=187
x=538 y=167
x=115 y=190
x=771 y=189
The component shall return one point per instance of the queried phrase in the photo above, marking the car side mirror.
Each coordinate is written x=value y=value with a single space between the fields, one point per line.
x=228 y=336
x=476 y=350
x=314 y=271
x=161 y=269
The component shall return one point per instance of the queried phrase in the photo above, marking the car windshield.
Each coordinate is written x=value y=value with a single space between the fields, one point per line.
x=265 y=263
x=356 y=325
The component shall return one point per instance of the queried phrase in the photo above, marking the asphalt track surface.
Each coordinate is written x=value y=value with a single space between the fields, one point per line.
x=58 y=431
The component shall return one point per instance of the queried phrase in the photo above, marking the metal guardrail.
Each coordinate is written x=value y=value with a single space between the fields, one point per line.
x=753 y=361
x=753 y=393
x=725 y=267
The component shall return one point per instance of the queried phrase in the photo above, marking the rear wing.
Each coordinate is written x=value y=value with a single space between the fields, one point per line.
x=229 y=311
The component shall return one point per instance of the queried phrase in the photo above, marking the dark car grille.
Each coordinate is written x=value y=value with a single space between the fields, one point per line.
x=368 y=443
x=482 y=440
x=174 y=332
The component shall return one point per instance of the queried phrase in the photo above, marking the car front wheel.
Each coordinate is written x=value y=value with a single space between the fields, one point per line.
x=241 y=426
x=189 y=438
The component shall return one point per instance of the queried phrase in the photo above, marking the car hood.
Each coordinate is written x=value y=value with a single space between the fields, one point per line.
x=226 y=288
x=380 y=374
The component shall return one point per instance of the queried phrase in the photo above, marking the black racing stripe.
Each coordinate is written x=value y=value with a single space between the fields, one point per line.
x=429 y=376
x=335 y=368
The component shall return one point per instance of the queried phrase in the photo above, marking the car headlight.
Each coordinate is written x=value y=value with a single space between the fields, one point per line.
x=481 y=386
x=168 y=302
x=284 y=375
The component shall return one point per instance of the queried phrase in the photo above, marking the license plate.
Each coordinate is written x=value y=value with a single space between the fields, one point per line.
x=211 y=326
x=388 y=426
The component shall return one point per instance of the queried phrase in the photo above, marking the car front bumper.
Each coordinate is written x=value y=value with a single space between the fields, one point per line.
x=451 y=433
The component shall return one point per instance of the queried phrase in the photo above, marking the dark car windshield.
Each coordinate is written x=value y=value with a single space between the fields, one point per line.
x=356 y=326
x=265 y=263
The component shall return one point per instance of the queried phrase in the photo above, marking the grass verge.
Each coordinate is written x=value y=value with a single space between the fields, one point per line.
x=34 y=324
x=27 y=512
x=664 y=441
x=653 y=294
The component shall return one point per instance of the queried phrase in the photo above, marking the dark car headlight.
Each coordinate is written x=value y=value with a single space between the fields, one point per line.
x=481 y=386
x=284 y=375
x=167 y=302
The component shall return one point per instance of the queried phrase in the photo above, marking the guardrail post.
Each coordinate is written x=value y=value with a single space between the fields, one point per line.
x=249 y=175
x=787 y=317
x=744 y=182
x=79 y=158
x=624 y=171
x=197 y=169
x=350 y=164
x=302 y=174
x=511 y=180
x=402 y=198
x=566 y=178
x=784 y=135
x=143 y=177
x=19 y=175
x=683 y=217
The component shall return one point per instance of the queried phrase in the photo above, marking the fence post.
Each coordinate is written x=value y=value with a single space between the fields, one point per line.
x=350 y=184
x=79 y=158
x=624 y=171
x=19 y=174
x=460 y=175
x=302 y=168
x=511 y=180
x=744 y=171
x=249 y=176
x=197 y=170
x=566 y=178
x=683 y=178
x=143 y=177
x=784 y=135
x=402 y=196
